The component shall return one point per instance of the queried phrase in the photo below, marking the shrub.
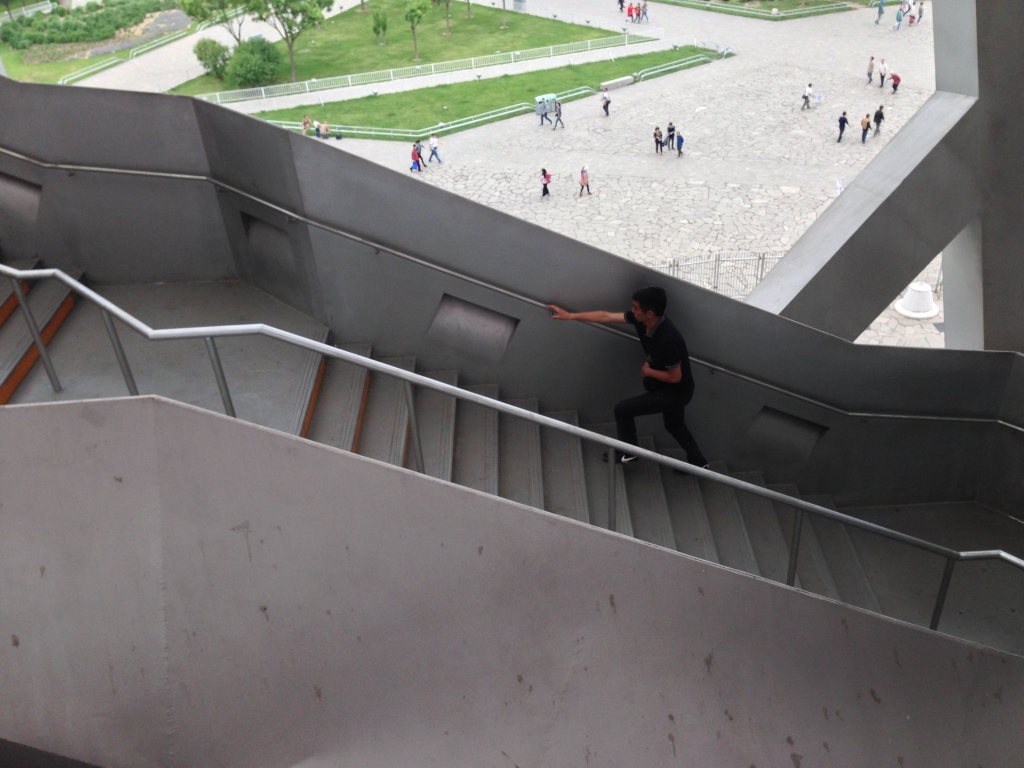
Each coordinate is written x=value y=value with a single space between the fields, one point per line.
x=253 y=63
x=213 y=56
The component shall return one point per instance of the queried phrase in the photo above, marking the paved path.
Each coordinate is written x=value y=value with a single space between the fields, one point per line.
x=756 y=171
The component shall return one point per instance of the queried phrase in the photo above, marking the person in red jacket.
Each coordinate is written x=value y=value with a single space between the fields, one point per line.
x=895 y=80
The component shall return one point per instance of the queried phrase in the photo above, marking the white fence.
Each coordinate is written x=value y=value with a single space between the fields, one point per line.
x=387 y=75
x=28 y=10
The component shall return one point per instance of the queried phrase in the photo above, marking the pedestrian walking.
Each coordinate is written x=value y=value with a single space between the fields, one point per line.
x=584 y=180
x=666 y=376
x=871 y=69
x=879 y=117
x=843 y=122
x=419 y=154
x=606 y=100
x=629 y=13
x=433 y=150
x=415 y=158
x=544 y=112
x=622 y=6
x=545 y=179
x=808 y=92
x=643 y=13
x=899 y=19
x=882 y=70
x=865 y=126
x=679 y=144
x=558 y=116
x=657 y=140
x=670 y=136
x=920 y=12
x=881 y=6
x=307 y=125
x=895 y=80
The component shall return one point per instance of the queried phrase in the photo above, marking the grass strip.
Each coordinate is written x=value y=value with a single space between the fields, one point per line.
x=743 y=7
x=427 y=107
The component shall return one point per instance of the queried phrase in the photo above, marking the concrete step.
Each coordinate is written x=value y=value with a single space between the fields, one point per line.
x=384 y=434
x=270 y=382
x=813 y=573
x=648 y=506
x=476 y=443
x=50 y=302
x=727 y=526
x=686 y=510
x=435 y=414
x=565 y=481
x=762 y=523
x=597 y=484
x=844 y=563
x=342 y=397
x=520 y=466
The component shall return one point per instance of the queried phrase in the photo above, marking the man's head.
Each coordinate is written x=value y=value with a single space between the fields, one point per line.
x=650 y=298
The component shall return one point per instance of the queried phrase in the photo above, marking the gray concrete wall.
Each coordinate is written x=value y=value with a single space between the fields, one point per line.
x=187 y=590
x=244 y=212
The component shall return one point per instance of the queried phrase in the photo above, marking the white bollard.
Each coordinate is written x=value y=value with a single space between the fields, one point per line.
x=918 y=302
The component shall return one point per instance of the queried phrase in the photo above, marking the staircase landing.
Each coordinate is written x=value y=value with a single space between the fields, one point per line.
x=270 y=382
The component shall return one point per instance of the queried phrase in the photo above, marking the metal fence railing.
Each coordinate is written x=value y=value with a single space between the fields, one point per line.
x=671 y=66
x=762 y=13
x=730 y=274
x=387 y=75
x=10 y=14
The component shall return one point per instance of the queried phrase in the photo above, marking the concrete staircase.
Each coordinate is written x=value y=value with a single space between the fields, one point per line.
x=345 y=406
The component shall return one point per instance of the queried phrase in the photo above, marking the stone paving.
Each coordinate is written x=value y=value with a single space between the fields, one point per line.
x=756 y=171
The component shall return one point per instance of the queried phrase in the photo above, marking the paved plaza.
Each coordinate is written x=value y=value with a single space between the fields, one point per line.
x=756 y=171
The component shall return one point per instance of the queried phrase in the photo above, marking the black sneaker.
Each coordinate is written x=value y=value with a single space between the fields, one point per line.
x=620 y=458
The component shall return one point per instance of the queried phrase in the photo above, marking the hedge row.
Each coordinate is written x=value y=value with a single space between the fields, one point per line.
x=92 y=23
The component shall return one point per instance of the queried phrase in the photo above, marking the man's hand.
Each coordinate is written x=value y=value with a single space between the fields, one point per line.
x=671 y=376
x=559 y=313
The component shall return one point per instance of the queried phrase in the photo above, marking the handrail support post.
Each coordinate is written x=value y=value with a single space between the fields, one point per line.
x=218 y=372
x=794 y=546
x=37 y=339
x=611 y=488
x=122 y=360
x=940 y=600
x=414 y=428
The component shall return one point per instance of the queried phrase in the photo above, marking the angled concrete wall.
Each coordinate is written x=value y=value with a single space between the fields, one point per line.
x=182 y=589
x=253 y=201
x=959 y=159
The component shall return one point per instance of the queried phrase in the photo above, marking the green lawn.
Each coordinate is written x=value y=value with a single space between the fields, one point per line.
x=736 y=6
x=445 y=103
x=49 y=72
x=345 y=43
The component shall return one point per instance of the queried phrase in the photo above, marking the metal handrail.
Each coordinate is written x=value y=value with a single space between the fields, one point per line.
x=759 y=13
x=379 y=247
x=209 y=333
x=671 y=65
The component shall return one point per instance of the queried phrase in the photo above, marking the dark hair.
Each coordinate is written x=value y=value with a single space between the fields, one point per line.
x=651 y=298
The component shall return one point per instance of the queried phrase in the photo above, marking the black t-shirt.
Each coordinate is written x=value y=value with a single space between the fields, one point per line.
x=665 y=350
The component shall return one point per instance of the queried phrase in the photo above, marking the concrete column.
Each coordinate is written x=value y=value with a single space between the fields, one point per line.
x=963 y=289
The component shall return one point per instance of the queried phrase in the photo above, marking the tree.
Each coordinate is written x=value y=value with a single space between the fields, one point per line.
x=253 y=63
x=7 y=4
x=469 y=9
x=380 y=27
x=290 y=18
x=222 y=12
x=414 y=13
x=447 y=17
x=504 y=23
x=213 y=56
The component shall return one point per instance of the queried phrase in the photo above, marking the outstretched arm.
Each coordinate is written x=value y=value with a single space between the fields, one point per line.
x=596 y=316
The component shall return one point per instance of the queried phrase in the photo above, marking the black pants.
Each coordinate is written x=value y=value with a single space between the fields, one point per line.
x=672 y=406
